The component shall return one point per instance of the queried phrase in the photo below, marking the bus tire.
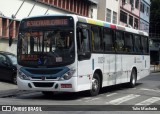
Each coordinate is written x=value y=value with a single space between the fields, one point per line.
x=48 y=93
x=95 y=85
x=133 y=79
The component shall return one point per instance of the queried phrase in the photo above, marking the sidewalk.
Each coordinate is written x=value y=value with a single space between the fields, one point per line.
x=7 y=86
x=7 y=89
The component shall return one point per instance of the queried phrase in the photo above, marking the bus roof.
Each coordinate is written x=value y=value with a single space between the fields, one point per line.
x=110 y=25
x=97 y=22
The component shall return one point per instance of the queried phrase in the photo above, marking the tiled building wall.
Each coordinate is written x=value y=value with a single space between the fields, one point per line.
x=8 y=27
x=80 y=7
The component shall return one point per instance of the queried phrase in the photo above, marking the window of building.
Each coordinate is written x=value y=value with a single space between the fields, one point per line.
x=137 y=4
x=136 y=23
x=55 y=2
x=46 y=1
x=130 y=20
x=132 y=2
x=64 y=4
x=124 y=2
x=142 y=7
x=50 y=2
x=108 y=15
x=71 y=5
x=147 y=12
x=67 y=5
x=114 y=17
x=75 y=6
x=108 y=39
x=59 y=3
x=123 y=16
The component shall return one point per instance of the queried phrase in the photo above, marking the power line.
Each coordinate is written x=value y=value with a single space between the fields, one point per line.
x=32 y=8
x=15 y=14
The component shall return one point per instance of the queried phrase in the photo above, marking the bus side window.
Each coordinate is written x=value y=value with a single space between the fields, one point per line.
x=83 y=40
x=144 y=44
x=83 y=45
x=96 y=39
x=119 y=41
x=137 y=44
x=108 y=39
x=128 y=42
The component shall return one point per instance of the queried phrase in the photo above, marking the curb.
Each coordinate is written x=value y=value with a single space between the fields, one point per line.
x=13 y=93
x=5 y=93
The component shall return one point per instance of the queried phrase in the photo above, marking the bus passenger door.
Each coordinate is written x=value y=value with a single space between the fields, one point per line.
x=84 y=59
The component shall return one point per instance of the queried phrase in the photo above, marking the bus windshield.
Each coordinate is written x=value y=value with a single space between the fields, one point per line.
x=50 y=47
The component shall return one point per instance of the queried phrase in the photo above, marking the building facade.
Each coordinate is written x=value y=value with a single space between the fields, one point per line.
x=130 y=13
x=108 y=10
x=144 y=15
x=80 y=7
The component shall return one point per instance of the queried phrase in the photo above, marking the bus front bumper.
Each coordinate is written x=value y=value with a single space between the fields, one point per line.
x=64 y=86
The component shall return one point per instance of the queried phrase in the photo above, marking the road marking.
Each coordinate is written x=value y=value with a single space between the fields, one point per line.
x=122 y=99
x=111 y=94
x=92 y=99
x=153 y=90
x=149 y=101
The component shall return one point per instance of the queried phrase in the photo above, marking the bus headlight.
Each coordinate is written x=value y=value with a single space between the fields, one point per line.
x=68 y=75
x=23 y=76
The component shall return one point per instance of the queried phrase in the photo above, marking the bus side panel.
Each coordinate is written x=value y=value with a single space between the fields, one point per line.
x=86 y=68
x=109 y=75
x=119 y=70
x=146 y=66
x=98 y=63
x=127 y=65
x=84 y=75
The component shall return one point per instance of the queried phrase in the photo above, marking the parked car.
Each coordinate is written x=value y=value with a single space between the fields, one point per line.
x=8 y=67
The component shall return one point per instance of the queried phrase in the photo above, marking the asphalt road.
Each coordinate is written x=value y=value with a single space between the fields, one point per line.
x=114 y=98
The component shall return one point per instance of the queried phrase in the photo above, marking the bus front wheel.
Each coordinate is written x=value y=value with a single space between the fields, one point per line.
x=133 y=79
x=95 y=85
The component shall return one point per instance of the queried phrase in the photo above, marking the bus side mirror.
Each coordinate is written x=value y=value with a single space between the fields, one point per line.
x=10 y=41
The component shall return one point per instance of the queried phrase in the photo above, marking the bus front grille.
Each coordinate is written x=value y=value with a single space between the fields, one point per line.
x=42 y=84
x=40 y=78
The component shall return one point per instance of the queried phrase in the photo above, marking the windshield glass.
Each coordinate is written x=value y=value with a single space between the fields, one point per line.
x=46 y=47
x=13 y=59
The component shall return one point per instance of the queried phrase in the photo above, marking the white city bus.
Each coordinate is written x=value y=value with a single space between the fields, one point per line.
x=72 y=53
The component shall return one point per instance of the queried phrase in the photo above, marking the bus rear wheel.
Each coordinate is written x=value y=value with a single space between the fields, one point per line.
x=95 y=85
x=133 y=79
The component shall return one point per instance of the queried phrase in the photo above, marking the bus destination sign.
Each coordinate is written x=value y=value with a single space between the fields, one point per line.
x=47 y=22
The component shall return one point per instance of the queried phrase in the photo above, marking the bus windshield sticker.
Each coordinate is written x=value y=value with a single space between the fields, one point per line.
x=29 y=57
x=58 y=59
